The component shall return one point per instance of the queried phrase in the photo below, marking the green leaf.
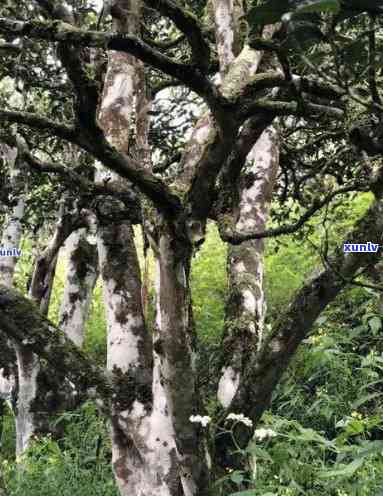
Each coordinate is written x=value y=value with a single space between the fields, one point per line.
x=364 y=5
x=308 y=6
x=310 y=435
x=259 y=452
x=237 y=477
x=364 y=399
x=251 y=492
x=375 y=324
x=371 y=448
x=321 y=320
x=346 y=471
x=355 y=427
x=268 y=13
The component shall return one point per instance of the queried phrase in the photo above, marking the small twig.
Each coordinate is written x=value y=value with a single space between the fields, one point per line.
x=229 y=234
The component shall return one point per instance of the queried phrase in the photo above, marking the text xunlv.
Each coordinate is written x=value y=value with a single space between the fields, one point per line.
x=361 y=247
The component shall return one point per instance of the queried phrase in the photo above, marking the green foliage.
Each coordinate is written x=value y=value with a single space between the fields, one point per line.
x=57 y=291
x=286 y=458
x=77 y=465
x=24 y=265
x=209 y=286
x=286 y=266
x=288 y=263
x=95 y=330
x=336 y=375
x=7 y=440
x=272 y=11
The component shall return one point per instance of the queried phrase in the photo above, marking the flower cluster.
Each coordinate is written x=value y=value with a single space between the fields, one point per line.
x=203 y=420
x=239 y=417
x=264 y=433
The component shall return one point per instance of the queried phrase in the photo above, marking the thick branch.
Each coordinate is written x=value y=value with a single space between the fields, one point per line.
x=266 y=370
x=300 y=109
x=42 y=279
x=21 y=321
x=231 y=171
x=85 y=185
x=188 y=24
x=10 y=47
x=230 y=235
x=97 y=146
x=39 y=122
x=311 y=86
x=211 y=143
x=63 y=32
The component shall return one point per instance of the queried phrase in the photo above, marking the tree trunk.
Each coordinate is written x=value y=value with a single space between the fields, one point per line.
x=81 y=277
x=246 y=306
x=11 y=237
x=39 y=392
x=143 y=445
x=12 y=229
x=175 y=348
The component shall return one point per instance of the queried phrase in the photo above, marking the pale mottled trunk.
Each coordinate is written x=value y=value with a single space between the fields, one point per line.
x=174 y=345
x=246 y=306
x=12 y=230
x=144 y=452
x=245 y=312
x=32 y=406
x=245 y=309
x=11 y=237
x=146 y=460
x=28 y=369
x=227 y=15
x=142 y=107
x=200 y=151
x=148 y=457
x=116 y=109
x=81 y=276
x=143 y=447
x=139 y=466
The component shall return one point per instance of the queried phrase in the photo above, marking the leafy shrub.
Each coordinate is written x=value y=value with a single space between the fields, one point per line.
x=77 y=465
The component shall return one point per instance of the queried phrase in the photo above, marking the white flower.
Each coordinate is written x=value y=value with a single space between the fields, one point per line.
x=263 y=433
x=200 y=419
x=239 y=417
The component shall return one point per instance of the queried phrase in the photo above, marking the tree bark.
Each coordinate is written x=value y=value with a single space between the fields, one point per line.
x=38 y=393
x=246 y=305
x=80 y=279
x=248 y=205
x=22 y=321
x=145 y=459
x=11 y=237
x=12 y=229
x=175 y=348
